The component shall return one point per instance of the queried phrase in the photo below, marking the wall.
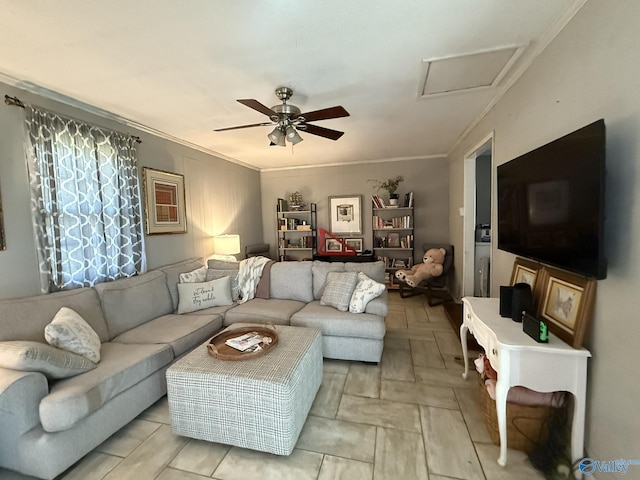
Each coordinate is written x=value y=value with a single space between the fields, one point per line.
x=222 y=197
x=428 y=178
x=589 y=71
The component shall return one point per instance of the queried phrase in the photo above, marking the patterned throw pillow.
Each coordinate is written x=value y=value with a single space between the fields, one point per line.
x=366 y=290
x=339 y=289
x=198 y=296
x=214 y=273
x=70 y=332
x=195 y=276
x=40 y=357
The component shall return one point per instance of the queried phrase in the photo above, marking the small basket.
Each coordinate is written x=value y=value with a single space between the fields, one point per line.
x=527 y=425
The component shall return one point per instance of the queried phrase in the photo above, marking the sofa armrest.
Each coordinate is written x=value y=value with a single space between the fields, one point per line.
x=20 y=395
x=379 y=305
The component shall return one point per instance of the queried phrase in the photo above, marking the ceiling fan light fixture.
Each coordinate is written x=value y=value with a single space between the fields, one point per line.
x=277 y=137
x=292 y=135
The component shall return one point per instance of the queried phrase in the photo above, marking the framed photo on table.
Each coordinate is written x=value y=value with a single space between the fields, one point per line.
x=332 y=245
x=164 y=202
x=345 y=214
x=566 y=304
x=527 y=271
x=355 y=243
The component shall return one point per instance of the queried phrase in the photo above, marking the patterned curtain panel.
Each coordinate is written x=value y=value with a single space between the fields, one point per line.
x=85 y=201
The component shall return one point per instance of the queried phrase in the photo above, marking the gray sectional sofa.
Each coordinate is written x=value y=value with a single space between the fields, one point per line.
x=48 y=425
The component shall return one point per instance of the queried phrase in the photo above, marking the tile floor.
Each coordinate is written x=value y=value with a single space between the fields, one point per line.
x=410 y=417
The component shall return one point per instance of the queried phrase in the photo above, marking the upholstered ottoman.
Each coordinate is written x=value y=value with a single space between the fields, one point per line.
x=260 y=403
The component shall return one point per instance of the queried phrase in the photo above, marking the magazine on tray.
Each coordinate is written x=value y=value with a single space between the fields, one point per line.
x=245 y=342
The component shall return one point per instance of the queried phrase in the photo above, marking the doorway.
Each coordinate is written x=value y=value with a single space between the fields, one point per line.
x=478 y=173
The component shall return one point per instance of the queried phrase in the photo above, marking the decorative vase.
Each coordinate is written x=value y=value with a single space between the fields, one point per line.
x=393 y=199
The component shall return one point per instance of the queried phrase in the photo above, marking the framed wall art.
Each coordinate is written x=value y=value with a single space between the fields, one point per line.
x=345 y=214
x=355 y=243
x=527 y=271
x=566 y=304
x=332 y=245
x=164 y=202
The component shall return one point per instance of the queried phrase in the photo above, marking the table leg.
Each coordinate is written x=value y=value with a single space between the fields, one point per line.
x=502 y=388
x=465 y=354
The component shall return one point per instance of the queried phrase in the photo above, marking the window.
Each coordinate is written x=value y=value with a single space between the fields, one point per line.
x=85 y=199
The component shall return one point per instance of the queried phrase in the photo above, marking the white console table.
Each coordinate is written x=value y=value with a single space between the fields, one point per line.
x=520 y=360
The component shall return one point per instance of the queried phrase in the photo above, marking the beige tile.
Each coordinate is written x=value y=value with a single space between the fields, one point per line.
x=331 y=365
x=448 y=343
x=473 y=414
x=396 y=343
x=422 y=334
x=328 y=398
x=380 y=413
x=456 y=362
x=200 y=457
x=397 y=364
x=444 y=377
x=336 y=468
x=399 y=455
x=336 y=437
x=158 y=412
x=396 y=318
x=449 y=447
x=416 y=317
x=93 y=466
x=172 y=474
x=418 y=393
x=426 y=354
x=243 y=464
x=128 y=438
x=363 y=380
x=148 y=460
x=518 y=466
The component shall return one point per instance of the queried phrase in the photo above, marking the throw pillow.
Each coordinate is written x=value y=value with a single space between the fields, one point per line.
x=339 y=289
x=214 y=273
x=70 y=332
x=195 y=276
x=198 y=296
x=366 y=290
x=39 y=357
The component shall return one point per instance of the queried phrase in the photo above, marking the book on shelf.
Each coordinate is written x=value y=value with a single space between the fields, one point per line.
x=408 y=199
x=283 y=205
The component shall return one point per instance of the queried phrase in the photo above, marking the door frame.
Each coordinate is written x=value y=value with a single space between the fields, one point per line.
x=469 y=218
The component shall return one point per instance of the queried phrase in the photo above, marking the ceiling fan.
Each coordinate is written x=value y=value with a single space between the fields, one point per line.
x=288 y=120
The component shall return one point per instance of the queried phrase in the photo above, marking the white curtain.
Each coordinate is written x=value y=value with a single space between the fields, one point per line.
x=85 y=201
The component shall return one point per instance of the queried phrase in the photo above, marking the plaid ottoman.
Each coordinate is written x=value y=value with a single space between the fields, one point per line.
x=260 y=403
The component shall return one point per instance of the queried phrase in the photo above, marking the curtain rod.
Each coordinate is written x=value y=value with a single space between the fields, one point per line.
x=16 y=102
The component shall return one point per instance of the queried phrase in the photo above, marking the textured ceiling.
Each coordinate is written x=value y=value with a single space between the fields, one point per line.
x=177 y=67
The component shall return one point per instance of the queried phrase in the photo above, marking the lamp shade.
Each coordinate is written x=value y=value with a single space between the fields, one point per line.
x=277 y=137
x=292 y=135
x=228 y=244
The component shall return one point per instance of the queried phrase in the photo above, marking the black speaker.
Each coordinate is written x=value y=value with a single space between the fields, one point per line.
x=520 y=301
x=506 y=295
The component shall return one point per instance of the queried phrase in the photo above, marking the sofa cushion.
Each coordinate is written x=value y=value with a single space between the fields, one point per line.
x=53 y=362
x=26 y=318
x=319 y=271
x=122 y=366
x=194 y=276
x=260 y=310
x=182 y=332
x=213 y=274
x=333 y=322
x=133 y=301
x=379 y=306
x=292 y=281
x=173 y=271
x=373 y=270
x=365 y=291
x=197 y=296
x=70 y=332
x=339 y=290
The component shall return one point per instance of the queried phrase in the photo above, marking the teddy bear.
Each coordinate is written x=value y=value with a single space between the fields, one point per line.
x=431 y=267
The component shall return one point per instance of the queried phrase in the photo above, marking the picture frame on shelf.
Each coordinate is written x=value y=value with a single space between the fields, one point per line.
x=393 y=240
x=566 y=304
x=355 y=243
x=164 y=202
x=345 y=214
x=332 y=245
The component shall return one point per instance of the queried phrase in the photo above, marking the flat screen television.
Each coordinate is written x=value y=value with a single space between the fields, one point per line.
x=551 y=203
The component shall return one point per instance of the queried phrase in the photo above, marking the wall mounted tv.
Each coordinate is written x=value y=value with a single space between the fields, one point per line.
x=551 y=203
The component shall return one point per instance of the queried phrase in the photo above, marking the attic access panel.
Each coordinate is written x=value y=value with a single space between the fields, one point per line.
x=443 y=76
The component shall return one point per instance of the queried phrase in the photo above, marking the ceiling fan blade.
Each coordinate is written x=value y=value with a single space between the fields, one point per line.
x=321 y=131
x=256 y=105
x=243 y=126
x=324 y=114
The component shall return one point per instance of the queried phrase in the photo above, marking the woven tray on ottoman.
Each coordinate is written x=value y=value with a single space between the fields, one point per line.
x=259 y=403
